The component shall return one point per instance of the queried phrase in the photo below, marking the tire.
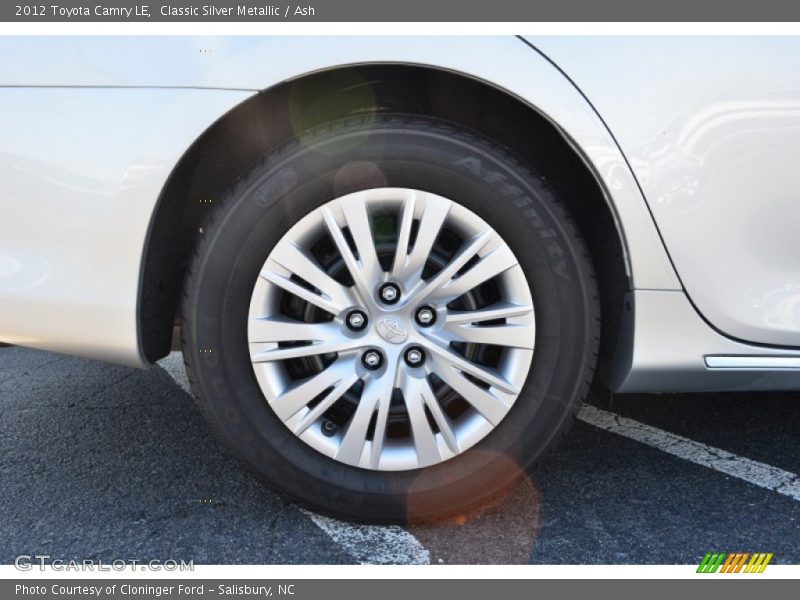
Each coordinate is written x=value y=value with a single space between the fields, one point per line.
x=374 y=153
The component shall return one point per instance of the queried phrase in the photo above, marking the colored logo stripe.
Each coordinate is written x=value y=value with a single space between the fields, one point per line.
x=758 y=563
x=710 y=563
x=734 y=562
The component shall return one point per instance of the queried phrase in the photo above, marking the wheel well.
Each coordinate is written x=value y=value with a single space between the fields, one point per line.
x=232 y=144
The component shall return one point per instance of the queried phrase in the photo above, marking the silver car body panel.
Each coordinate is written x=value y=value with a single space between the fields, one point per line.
x=711 y=128
x=93 y=126
x=669 y=348
x=81 y=171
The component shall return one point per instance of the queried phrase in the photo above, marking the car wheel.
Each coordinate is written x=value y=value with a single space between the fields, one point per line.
x=390 y=318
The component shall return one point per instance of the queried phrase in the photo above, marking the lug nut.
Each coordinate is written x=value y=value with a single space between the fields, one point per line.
x=426 y=316
x=372 y=359
x=356 y=320
x=389 y=293
x=329 y=427
x=415 y=356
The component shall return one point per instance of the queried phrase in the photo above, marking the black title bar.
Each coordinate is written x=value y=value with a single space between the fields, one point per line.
x=403 y=11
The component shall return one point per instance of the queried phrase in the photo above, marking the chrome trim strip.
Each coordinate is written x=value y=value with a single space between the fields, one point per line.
x=753 y=362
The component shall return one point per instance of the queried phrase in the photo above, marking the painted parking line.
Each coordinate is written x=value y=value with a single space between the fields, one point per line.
x=751 y=471
x=173 y=365
x=368 y=544
x=374 y=544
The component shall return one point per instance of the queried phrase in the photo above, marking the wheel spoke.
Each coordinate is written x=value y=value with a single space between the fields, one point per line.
x=329 y=400
x=442 y=421
x=491 y=265
x=424 y=439
x=377 y=393
x=298 y=394
x=381 y=420
x=295 y=260
x=492 y=408
x=283 y=329
x=404 y=234
x=485 y=374
x=502 y=310
x=283 y=282
x=454 y=266
x=365 y=270
x=318 y=338
x=509 y=335
x=409 y=266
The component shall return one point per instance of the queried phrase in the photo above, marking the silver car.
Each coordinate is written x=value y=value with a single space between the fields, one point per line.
x=398 y=264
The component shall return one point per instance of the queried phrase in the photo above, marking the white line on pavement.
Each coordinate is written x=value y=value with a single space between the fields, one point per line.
x=374 y=544
x=368 y=544
x=173 y=365
x=751 y=471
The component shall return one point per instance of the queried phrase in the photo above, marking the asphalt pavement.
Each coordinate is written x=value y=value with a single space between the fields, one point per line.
x=99 y=461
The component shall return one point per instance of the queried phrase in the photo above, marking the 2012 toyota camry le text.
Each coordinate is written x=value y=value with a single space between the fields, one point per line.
x=397 y=264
